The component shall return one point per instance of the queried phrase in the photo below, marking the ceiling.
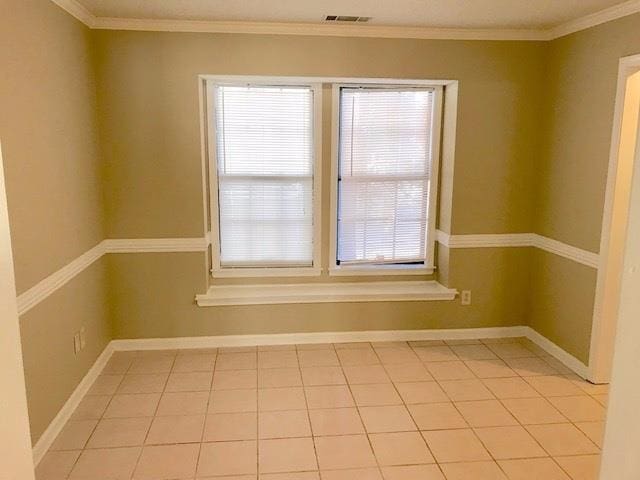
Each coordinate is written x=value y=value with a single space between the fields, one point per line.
x=481 y=14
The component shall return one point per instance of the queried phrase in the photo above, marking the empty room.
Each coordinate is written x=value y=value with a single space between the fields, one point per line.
x=295 y=240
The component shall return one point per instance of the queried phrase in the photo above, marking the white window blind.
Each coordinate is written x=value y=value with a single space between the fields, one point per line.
x=385 y=150
x=264 y=143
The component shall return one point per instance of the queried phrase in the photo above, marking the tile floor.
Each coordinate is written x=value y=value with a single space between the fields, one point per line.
x=433 y=410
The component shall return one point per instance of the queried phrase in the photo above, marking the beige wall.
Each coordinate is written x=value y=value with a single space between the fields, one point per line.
x=561 y=306
x=152 y=296
x=581 y=86
x=151 y=134
x=52 y=370
x=49 y=136
x=149 y=119
x=582 y=74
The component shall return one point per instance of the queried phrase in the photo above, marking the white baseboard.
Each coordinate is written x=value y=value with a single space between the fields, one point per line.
x=67 y=410
x=558 y=353
x=315 y=337
x=47 y=438
x=362 y=336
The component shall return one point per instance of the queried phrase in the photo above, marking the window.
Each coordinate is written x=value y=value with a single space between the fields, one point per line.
x=264 y=178
x=387 y=159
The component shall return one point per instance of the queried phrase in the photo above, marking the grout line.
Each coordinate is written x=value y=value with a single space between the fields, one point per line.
x=306 y=402
x=206 y=413
x=348 y=385
x=358 y=409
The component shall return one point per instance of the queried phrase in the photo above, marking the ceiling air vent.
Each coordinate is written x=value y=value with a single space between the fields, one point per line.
x=346 y=18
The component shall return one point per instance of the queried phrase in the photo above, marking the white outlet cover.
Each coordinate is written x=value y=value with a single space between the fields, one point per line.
x=465 y=297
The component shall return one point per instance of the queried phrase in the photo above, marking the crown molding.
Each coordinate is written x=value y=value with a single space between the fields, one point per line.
x=76 y=9
x=329 y=30
x=588 y=21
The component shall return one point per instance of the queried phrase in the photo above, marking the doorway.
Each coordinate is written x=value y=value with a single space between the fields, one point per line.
x=615 y=219
x=620 y=460
x=15 y=440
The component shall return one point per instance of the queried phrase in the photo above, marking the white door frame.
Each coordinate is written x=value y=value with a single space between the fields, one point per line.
x=15 y=438
x=620 y=459
x=604 y=325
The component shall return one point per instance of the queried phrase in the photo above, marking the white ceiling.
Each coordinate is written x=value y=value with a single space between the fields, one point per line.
x=490 y=14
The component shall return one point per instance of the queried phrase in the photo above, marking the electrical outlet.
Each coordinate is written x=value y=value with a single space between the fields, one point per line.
x=76 y=343
x=83 y=338
x=465 y=297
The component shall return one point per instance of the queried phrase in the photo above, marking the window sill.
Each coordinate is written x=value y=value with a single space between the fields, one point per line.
x=414 y=291
x=266 y=272
x=380 y=270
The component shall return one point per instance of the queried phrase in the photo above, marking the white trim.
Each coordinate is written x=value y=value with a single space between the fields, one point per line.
x=333 y=186
x=485 y=240
x=206 y=214
x=576 y=254
x=337 y=292
x=601 y=351
x=36 y=294
x=588 y=21
x=434 y=180
x=355 y=336
x=209 y=82
x=77 y=10
x=317 y=337
x=558 y=353
x=30 y=298
x=319 y=29
x=55 y=427
x=550 y=245
x=448 y=154
x=150 y=245
x=56 y=280
x=74 y=8
x=297 y=80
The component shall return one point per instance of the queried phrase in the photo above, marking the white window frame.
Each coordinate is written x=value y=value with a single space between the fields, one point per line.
x=336 y=269
x=217 y=271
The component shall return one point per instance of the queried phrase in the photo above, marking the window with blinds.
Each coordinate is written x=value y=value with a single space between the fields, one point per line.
x=385 y=158
x=265 y=162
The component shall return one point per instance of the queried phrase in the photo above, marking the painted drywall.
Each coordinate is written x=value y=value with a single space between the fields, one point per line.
x=150 y=138
x=150 y=123
x=52 y=370
x=49 y=136
x=152 y=296
x=561 y=307
x=581 y=80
